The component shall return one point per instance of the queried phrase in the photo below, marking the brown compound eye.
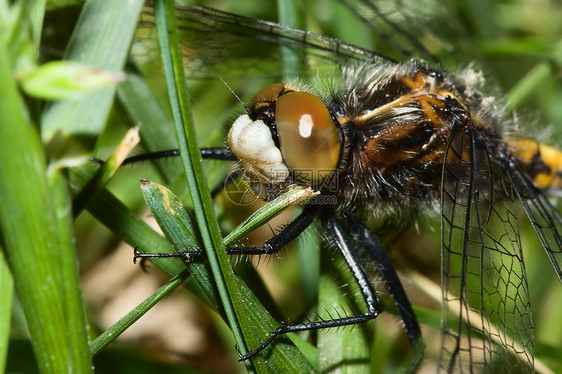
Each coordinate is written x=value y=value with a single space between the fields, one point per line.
x=266 y=95
x=308 y=138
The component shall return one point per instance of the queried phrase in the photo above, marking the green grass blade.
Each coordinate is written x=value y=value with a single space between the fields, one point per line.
x=178 y=226
x=291 y=15
x=102 y=176
x=77 y=337
x=268 y=212
x=7 y=292
x=28 y=229
x=346 y=348
x=535 y=79
x=37 y=7
x=223 y=275
x=101 y=38
x=156 y=129
x=128 y=226
x=118 y=328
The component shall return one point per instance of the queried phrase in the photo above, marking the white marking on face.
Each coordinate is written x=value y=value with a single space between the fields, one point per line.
x=252 y=143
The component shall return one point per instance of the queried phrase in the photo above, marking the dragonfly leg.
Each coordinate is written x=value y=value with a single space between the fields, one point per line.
x=368 y=292
x=368 y=241
x=272 y=245
x=215 y=153
x=282 y=238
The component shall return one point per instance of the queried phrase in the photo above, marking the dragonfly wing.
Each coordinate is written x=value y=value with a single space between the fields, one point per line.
x=487 y=316
x=544 y=217
x=217 y=43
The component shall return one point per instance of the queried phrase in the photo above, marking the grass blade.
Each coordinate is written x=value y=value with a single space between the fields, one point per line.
x=185 y=130
x=178 y=226
x=102 y=176
x=7 y=292
x=73 y=306
x=346 y=348
x=77 y=124
x=30 y=232
x=117 y=329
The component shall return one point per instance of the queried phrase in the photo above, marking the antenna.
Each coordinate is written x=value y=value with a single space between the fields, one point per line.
x=234 y=93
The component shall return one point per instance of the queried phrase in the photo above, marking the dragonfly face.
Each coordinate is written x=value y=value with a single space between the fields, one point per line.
x=406 y=136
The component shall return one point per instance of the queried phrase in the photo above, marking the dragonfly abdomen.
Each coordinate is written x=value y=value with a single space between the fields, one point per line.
x=541 y=162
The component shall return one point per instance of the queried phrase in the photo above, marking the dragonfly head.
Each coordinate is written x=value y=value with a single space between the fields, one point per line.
x=287 y=137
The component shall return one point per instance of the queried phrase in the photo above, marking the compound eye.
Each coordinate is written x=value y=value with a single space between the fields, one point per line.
x=266 y=95
x=308 y=138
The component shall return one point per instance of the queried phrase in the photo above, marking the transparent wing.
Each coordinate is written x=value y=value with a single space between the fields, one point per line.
x=395 y=23
x=546 y=220
x=226 y=45
x=487 y=325
x=217 y=43
x=428 y=29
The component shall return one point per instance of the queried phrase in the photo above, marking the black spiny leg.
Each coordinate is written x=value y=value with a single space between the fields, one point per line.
x=281 y=239
x=272 y=245
x=367 y=290
x=220 y=154
x=224 y=154
x=371 y=244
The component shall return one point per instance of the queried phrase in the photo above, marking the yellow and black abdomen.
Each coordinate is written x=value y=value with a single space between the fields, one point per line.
x=541 y=162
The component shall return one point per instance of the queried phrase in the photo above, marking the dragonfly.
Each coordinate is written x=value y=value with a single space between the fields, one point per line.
x=399 y=136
